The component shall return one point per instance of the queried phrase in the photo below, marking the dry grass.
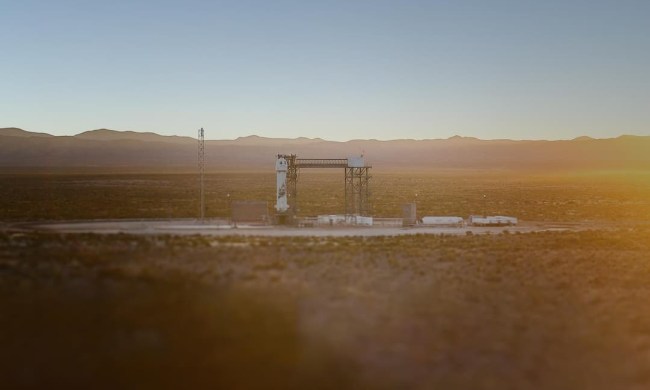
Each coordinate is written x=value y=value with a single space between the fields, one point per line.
x=550 y=310
x=543 y=310
x=603 y=196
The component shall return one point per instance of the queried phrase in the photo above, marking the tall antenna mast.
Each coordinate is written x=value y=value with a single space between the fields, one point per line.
x=201 y=171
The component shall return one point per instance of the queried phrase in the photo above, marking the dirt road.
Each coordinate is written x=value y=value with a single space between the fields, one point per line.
x=223 y=228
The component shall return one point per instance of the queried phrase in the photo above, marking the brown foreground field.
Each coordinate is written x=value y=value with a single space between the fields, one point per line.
x=544 y=310
x=537 y=310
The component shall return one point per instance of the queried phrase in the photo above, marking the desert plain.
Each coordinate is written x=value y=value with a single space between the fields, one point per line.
x=557 y=308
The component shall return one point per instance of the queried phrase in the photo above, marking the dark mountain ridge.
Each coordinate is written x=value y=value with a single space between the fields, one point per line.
x=116 y=149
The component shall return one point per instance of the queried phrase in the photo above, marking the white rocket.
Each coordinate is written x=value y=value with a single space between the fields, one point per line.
x=281 y=204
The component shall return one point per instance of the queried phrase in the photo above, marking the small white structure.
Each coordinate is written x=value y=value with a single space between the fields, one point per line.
x=363 y=221
x=492 y=220
x=333 y=220
x=281 y=204
x=409 y=214
x=356 y=162
x=393 y=222
x=442 y=221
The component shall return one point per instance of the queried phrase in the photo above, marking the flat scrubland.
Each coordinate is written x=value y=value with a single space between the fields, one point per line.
x=538 y=310
x=544 y=310
x=533 y=196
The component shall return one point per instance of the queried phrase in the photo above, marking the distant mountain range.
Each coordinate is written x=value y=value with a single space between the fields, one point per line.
x=105 y=148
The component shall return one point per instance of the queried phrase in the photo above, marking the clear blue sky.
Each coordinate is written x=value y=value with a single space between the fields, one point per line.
x=331 y=69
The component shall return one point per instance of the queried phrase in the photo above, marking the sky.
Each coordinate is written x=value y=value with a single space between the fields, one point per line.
x=332 y=69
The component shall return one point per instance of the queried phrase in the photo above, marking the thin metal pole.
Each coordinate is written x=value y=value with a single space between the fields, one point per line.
x=201 y=172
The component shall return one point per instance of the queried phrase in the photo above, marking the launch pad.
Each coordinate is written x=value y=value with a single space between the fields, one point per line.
x=356 y=183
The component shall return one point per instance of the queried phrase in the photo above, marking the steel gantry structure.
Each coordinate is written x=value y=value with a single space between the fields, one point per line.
x=201 y=158
x=357 y=180
x=357 y=190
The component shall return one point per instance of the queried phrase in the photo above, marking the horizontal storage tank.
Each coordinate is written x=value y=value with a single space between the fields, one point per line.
x=442 y=221
x=492 y=220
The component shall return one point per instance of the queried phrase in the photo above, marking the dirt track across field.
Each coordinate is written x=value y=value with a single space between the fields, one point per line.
x=223 y=228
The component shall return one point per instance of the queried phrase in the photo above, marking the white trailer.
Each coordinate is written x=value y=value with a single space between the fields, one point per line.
x=442 y=221
x=492 y=220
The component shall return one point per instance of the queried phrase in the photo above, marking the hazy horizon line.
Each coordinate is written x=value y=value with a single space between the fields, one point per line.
x=455 y=136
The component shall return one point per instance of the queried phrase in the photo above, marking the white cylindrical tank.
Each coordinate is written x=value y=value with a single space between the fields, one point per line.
x=492 y=220
x=281 y=204
x=503 y=220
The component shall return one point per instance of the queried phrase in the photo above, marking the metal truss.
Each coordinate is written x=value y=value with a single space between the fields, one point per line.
x=357 y=191
x=357 y=180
